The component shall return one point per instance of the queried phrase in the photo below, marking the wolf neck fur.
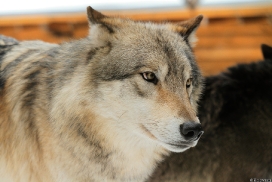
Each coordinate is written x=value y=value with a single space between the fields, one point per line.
x=97 y=137
x=68 y=103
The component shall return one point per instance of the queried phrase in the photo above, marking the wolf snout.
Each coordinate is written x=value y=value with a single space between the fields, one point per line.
x=191 y=131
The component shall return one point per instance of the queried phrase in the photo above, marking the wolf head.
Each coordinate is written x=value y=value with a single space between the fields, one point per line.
x=146 y=80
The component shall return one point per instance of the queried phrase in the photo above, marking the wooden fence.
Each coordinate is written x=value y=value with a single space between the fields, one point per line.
x=227 y=36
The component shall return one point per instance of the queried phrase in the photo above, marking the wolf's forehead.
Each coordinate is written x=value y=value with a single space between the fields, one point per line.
x=155 y=41
x=153 y=47
x=149 y=33
x=156 y=45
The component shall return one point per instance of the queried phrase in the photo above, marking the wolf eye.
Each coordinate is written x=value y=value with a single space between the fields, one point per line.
x=150 y=77
x=188 y=83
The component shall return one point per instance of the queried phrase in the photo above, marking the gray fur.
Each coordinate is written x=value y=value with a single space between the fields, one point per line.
x=82 y=110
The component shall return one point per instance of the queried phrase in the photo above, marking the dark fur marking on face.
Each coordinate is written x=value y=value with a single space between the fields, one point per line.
x=90 y=55
x=172 y=63
x=188 y=44
x=168 y=51
x=93 y=52
x=138 y=90
x=195 y=72
x=176 y=67
x=109 y=29
x=111 y=73
x=117 y=77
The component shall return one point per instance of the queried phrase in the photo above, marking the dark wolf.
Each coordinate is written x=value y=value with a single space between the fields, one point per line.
x=104 y=108
x=236 y=113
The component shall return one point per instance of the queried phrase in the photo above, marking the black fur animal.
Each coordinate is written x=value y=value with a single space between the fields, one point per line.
x=236 y=112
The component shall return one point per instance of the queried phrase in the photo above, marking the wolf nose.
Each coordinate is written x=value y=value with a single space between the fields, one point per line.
x=191 y=130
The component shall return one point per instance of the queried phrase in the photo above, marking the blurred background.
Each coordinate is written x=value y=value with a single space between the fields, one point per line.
x=231 y=32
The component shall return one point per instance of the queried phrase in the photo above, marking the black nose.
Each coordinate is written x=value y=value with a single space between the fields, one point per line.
x=191 y=130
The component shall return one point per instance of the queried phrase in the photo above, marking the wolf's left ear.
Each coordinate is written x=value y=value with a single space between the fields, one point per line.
x=187 y=29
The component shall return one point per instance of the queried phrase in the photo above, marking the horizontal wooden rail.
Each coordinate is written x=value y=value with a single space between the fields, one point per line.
x=148 y=15
x=227 y=36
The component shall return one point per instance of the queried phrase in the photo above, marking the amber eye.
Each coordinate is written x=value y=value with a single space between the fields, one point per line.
x=188 y=83
x=150 y=77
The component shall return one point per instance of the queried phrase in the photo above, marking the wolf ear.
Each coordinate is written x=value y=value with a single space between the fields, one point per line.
x=187 y=29
x=96 y=17
x=267 y=51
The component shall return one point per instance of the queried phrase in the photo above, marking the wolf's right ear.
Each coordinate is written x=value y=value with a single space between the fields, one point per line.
x=267 y=51
x=96 y=17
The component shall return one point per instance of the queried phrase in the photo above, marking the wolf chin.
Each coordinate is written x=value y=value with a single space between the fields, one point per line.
x=104 y=108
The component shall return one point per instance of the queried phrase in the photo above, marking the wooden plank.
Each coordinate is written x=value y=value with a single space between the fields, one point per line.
x=42 y=19
x=81 y=30
x=230 y=21
x=185 y=13
x=210 y=36
x=33 y=33
x=235 y=41
x=149 y=14
x=229 y=54
x=224 y=40
x=233 y=30
x=212 y=67
x=56 y=32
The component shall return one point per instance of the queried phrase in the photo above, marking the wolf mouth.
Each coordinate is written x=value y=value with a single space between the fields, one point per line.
x=179 y=145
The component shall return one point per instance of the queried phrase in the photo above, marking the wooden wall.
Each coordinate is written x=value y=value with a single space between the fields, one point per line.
x=227 y=36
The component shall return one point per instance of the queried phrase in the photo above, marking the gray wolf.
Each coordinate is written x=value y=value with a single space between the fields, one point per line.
x=236 y=115
x=104 y=108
